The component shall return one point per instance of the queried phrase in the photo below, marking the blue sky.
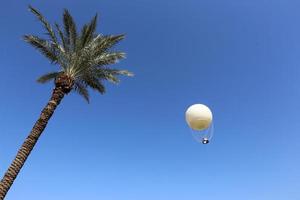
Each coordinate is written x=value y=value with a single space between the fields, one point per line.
x=239 y=57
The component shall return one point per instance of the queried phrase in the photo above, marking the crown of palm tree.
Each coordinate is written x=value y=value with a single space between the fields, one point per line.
x=83 y=57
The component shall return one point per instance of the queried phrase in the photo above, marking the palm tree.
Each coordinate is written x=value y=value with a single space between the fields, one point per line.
x=83 y=59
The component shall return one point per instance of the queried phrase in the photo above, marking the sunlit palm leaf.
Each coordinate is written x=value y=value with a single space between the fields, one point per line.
x=108 y=42
x=108 y=58
x=111 y=74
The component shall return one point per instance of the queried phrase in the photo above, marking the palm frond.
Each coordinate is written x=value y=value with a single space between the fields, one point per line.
x=46 y=25
x=85 y=61
x=81 y=89
x=70 y=29
x=84 y=57
x=48 y=77
x=110 y=74
x=88 y=31
x=109 y=58
x=94 y=83
x=103 y=75
x=119 y=72
x=108 y=42
x=61 y=35
x=43 y=46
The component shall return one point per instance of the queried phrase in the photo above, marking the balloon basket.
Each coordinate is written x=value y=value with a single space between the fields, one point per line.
x=203 y=136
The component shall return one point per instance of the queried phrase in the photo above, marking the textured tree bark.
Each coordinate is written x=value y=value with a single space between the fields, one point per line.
x=23 y=153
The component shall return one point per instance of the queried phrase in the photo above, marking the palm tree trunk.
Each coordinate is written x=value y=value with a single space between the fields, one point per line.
x=23 y=153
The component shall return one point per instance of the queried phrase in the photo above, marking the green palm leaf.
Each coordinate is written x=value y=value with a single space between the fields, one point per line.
x=43 y=46
x=109 y=58
x=46 y=25
x=48 y=77
x=81 y=89
x=94 y=83
x=88 y=31
x=111 y=74
x=70 y=29
x=84 y=58
x=61 y=35
x=108 y=42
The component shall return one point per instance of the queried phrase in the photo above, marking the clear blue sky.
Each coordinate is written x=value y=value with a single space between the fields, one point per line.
x=239 y=57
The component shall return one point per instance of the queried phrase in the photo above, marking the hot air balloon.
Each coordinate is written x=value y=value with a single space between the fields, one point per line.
x=199 y=118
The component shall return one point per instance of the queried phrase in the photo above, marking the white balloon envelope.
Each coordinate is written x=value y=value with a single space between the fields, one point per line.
x=199 y=118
